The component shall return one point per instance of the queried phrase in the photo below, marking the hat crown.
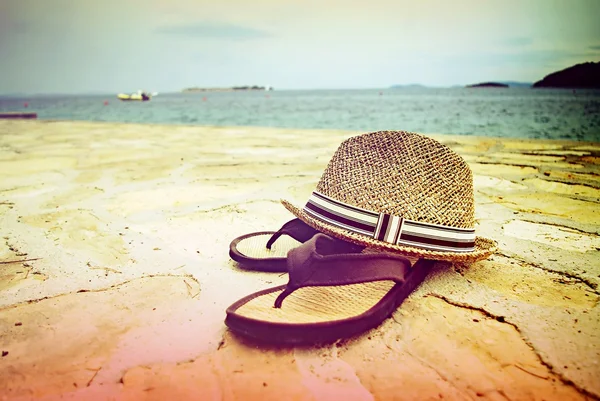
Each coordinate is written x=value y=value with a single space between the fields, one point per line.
x=402 y=174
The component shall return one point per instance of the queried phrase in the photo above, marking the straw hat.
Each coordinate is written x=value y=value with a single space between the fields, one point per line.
x=399 y=192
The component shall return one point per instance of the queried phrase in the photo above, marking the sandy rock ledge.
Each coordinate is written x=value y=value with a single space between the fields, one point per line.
x=114 y=272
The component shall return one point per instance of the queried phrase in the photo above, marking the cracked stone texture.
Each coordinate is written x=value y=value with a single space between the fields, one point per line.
x=114 y=273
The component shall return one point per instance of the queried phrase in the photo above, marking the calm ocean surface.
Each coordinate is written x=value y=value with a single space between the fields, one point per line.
x=505 y=112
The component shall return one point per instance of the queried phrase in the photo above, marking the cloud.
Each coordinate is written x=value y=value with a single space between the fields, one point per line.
x=214 y=30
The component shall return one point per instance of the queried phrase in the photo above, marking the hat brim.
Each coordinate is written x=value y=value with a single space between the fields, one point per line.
x=484 y=247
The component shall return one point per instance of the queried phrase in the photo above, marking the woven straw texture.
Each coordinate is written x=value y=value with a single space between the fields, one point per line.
x=317 y=304
x=256 y=246
x=403 y=174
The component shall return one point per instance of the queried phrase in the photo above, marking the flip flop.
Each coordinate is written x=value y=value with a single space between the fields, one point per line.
x=267 y=250
x=330 y=295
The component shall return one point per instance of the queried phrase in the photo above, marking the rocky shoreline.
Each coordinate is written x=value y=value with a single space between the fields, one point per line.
x=115 y=274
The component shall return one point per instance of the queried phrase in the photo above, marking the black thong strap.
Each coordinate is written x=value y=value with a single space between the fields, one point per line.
x=325 y=261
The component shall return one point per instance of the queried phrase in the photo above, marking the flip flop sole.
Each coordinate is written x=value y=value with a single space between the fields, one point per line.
x=315 y=315
x=251 y=251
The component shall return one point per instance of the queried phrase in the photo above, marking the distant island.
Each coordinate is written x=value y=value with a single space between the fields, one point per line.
x=579 y=76
x=409 y=86
x=495 y=84
x=488 y=85
x=231 y=89
x=516 y=84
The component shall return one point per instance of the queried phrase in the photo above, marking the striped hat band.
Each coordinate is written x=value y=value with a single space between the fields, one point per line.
x=392 y=229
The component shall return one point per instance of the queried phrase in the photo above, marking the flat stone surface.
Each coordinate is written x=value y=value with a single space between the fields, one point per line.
x=115 y=274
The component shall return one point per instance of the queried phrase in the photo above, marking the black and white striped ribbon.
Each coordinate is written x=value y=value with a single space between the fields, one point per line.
x=388 y=228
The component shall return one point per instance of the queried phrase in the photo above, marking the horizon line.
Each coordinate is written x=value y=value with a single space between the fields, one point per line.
x=170 y=91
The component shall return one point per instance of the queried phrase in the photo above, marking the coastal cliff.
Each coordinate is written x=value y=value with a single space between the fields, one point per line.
x=580 y=76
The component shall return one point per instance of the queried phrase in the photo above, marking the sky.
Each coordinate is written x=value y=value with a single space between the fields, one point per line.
x=86 y=46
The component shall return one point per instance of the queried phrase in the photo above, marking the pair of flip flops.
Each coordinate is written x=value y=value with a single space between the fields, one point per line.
x=334 y=291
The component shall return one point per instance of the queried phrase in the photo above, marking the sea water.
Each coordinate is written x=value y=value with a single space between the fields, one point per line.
x=503 y=112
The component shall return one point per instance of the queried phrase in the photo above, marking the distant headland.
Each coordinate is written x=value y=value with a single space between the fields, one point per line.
x=488 y=85
x=579 y=76
x=496 y=84
x=231 y=89
x=409 y=86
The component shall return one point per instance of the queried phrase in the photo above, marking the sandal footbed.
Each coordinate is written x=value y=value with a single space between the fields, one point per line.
x=251 y=324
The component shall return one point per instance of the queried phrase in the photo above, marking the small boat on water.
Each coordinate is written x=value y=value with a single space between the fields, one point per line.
x=139 y=96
